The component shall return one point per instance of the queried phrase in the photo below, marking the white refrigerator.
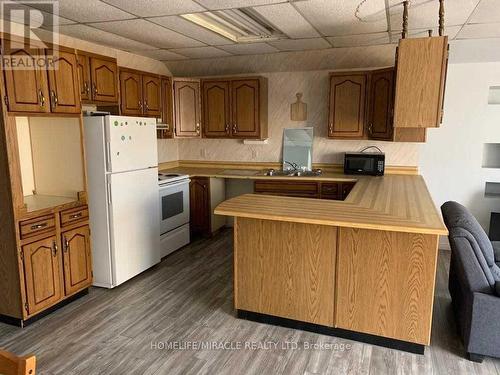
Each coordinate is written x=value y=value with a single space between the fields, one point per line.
x=122 y=177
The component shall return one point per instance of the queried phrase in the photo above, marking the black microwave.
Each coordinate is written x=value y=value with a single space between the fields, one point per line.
x=367 y=163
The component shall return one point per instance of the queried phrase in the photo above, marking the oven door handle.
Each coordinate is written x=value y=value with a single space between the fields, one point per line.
x=174 y=184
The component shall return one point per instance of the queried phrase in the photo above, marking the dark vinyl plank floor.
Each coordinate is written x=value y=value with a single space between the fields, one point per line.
x=188 y=299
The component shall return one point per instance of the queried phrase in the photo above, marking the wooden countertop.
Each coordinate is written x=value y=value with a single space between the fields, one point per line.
x=253 y=174
x=399 y=203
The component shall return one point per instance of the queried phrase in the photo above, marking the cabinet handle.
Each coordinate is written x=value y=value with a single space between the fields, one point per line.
x=76 y=216
x=66 y=244
x=146 y=105
x=95 y=88
x=86 y=87
x=198 y=128
x=54 y=248
x=234 y=129
x=331 y=127
x=38 y=226
x=42 y=98
x=54 y=99
x=140 y=105
x=370 y=128
x=227 y=128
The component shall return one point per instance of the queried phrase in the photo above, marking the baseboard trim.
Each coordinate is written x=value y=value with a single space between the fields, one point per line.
x=336 y=332
x=24 y=323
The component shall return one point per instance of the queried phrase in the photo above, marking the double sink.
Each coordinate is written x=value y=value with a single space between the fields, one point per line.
x=292 y=173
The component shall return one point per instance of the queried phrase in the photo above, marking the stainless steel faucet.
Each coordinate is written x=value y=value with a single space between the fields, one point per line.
x=294 y=166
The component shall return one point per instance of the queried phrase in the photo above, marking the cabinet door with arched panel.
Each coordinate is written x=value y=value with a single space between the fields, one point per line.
x=216 y=109
x=347 y=105
x=64 y=84
x=381 y=104
x=77 y=259
x=131 y=93
x=42 y=272
x=187 y=108
x=245 y=108
x=151 y=89
x=104 y=74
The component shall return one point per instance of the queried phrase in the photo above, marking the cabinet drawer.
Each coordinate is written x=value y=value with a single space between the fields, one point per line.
x=36 y=226
x=293 y=189
x=329 y=188
x=74 y=215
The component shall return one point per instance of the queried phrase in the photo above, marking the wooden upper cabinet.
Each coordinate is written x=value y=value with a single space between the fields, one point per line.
x=216 y=109
x=104 y=75
x=245 y=108
x=64 y=84
x=420 y=81
x=380 y=104
x=42 y=272
x=131 y=93
x=83 y=64
x=77 y=260
x=151 y=90
x=187 y=108
x=347 y=105
x=167 y=108
x=26 y=89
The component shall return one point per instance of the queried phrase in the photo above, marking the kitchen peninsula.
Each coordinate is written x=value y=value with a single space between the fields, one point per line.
x=362 y=268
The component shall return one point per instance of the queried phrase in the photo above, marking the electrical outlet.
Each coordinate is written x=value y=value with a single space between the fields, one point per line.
x=254 y=153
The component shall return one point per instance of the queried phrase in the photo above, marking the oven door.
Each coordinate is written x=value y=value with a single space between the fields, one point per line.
x=174 y=205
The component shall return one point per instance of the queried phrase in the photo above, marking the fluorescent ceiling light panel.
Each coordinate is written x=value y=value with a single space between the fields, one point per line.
x=238 y=25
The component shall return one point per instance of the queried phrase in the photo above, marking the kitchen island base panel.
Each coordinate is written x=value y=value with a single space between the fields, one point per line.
x=285 y=269
x=330 y=331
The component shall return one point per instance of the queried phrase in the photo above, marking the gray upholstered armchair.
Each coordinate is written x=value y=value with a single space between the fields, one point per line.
x=474 y=282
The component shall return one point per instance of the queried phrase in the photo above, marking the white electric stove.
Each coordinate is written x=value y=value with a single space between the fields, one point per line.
x=174 y=211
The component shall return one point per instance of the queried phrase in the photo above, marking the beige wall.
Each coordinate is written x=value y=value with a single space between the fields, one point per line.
x=282 y=89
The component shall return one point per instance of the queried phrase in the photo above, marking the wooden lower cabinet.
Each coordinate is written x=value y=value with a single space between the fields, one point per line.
x=43 y=274
x=385 y=283
x=199 y=203
x=55 y=260
x=304 y=189
x=77 y=259
x=206 y=194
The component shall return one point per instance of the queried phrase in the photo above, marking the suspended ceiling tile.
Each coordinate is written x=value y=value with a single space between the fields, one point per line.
x=286 y=18
x=90 y=11
x=300 y=44
x=425 y=14
x=90 y=34
x=450 y=31
x=149 y=8
x=360 y=40
x=335 y=18
x=188 y=28
x=161 y=54
x=201 y=52
x=38 y=16
x=227 y=4
x=249 y=48
x=488 y=11
x=479 y=31
x=149 y=33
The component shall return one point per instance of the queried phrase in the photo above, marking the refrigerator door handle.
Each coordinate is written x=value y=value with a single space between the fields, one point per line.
x=108 y=188
x=108 y=156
